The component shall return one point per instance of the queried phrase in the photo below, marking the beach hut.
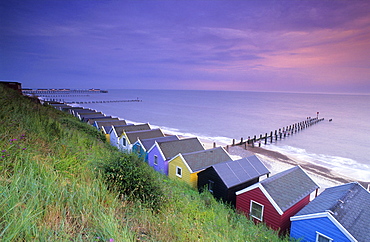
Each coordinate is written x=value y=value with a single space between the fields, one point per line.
x=277 y=198
x=161 y=152
x=340 y=213
x=91 y=121
x=117 y=131
x=129 y=138
x=142 y=146
x=59 y=106
x=186 y=166
x=100 y=123
x=77 y=112
x=71 y=109
x=85 y=117
x=224 y=179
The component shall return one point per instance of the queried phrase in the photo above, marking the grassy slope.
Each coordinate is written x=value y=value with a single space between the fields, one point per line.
x=54 y=173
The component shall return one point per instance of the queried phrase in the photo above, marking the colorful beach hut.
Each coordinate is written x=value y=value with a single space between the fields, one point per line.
x=340 y=213
x=142 y=146
x=161 y=152
x=224 y=179
x=116 y=132
x=129 y=138
x=277 y=198
x=186 y=166
x=100 y=123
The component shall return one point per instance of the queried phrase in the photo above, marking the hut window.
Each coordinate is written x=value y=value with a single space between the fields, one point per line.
x=256 y=210
x=211 y=185
x=178 y=171
x=322 y=238
x=155 y=160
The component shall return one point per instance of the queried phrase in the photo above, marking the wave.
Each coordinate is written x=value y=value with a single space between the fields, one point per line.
x=341 y=165
x=174 y=131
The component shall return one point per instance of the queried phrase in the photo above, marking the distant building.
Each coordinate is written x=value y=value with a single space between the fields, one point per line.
x=13 y=85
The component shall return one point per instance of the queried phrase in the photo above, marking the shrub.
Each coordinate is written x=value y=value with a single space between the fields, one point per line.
x=133 y=179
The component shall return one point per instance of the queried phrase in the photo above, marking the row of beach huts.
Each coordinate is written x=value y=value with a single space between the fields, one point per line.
x=282 y=201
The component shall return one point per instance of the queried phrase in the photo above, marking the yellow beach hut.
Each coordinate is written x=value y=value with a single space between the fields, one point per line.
x=186 y=166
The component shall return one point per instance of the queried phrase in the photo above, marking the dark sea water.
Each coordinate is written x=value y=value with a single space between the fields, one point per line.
x=342 y=145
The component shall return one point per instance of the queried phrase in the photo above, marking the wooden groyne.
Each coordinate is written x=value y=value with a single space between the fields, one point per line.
x=278 y=134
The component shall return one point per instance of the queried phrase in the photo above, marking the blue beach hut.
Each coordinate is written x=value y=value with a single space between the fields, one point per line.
x=340 y=213
x=142 y=146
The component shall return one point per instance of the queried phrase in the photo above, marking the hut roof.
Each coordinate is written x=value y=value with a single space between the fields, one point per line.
x=172 y=148
x=236 y=172
x=289 y=187
x=203 y=159
x=349 y=204
x=144 y=134
x=148 y=143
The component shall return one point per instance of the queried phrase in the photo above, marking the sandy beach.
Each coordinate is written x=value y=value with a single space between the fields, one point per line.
x=277 y=162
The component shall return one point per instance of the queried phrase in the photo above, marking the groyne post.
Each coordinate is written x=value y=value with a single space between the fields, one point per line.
x=281 y=132
x=271 y=137
x=265 y=138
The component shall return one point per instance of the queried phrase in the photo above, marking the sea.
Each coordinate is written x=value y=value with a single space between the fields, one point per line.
x=341 y=145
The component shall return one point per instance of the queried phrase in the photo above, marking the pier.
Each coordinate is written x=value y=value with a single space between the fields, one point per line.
x=278 y=134
x=104 y=101
x=84 y=102
x=61 y=91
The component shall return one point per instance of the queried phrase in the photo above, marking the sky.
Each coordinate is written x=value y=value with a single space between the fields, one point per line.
x=247 y=45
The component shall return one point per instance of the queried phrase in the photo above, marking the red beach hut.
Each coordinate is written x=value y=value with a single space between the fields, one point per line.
x=276 y=199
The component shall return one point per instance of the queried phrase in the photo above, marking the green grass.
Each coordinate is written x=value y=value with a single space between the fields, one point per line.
x=60 y=181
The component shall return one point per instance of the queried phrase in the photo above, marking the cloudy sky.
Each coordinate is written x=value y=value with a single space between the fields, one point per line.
x=256 y=45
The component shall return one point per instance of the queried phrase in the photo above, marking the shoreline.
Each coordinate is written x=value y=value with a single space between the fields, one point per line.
x=277 y=162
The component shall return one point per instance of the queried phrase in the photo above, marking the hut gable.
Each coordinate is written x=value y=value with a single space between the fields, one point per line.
x=344 y=207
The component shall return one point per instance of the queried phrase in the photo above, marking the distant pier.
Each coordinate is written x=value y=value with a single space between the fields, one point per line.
x=84 y=102
x=105 y=101
x=61 y=91
x=278 y=134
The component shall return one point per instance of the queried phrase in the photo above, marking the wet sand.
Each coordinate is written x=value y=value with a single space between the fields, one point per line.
x=277 y=162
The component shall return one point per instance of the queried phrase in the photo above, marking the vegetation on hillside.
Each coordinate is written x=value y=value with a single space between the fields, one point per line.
x=60 y=180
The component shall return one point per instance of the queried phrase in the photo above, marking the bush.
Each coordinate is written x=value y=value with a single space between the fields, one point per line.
x=133 y=179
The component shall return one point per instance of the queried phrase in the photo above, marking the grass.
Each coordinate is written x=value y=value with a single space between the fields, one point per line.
x=60 y=181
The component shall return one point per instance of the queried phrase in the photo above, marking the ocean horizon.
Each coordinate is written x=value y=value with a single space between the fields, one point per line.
x=341 y=145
